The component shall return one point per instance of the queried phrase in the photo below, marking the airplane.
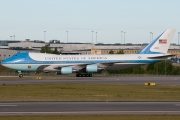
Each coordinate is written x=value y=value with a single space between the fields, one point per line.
x=85 y=65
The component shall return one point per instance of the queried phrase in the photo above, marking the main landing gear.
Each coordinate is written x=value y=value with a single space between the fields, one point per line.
x=84 y=75
x=20 y=74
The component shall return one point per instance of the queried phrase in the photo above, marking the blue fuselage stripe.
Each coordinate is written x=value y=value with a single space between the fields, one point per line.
x=87 y=61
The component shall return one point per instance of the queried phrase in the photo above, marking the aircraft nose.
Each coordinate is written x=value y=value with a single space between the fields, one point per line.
x=3 y=62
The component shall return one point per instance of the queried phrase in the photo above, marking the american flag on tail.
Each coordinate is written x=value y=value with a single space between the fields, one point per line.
x=162 y=41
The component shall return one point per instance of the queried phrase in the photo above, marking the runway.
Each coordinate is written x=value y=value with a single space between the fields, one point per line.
x=98 y=80
x=70 y=108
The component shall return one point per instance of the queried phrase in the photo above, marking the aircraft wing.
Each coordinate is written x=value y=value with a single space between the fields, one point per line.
x=74 y=66
x=81 y=66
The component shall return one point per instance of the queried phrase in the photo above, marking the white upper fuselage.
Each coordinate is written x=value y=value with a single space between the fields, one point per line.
x=32 y=61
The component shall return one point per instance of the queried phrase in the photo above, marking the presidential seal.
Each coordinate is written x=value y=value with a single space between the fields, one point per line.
x=29 y=66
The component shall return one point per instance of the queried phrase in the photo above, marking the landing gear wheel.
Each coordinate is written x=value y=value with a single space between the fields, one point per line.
x=84 y=75
x=90 y=75
x=20 y=75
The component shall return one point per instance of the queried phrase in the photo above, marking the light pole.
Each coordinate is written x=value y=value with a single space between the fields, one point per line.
x=124 y=37
x=96 y=37
x=92 y=36
x=150 y=36
x=121 y=37
x=67 y=36
x=11 y=37
x=14 y=37
x=178 y=39
x=44 y=36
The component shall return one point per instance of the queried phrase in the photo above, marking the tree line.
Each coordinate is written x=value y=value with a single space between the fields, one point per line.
x=47 y=49
x=160 y=68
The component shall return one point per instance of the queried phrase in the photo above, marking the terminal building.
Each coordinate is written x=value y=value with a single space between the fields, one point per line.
x=9 y=47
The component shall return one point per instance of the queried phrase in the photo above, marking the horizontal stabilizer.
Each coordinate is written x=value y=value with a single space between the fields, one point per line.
x=163 y=56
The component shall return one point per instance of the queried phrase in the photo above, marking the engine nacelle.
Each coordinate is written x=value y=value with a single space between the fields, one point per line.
x=91 y=68
x=65 y=70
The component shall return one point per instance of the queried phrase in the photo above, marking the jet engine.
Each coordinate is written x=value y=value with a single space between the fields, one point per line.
x=93 y=68
x=65 y=70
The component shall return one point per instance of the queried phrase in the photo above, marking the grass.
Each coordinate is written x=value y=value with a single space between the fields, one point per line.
x=88 y=92
x=94 y=117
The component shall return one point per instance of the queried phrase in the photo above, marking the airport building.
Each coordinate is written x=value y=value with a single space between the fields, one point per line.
x=9 y=47
x=73 y=48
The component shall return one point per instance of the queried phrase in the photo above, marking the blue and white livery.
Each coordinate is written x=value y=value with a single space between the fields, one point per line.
x=85 y=65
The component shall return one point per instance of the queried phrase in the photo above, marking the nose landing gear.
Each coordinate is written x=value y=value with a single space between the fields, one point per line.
x=20 y=74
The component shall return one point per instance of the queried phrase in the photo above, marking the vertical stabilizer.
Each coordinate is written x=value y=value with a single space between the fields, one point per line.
x=161 y=44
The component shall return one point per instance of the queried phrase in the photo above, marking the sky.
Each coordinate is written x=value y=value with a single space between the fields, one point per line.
x=28 y=19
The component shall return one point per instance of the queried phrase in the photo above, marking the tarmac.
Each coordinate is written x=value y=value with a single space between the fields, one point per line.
x=92 y=108
x=97 y=80
x=70 y=108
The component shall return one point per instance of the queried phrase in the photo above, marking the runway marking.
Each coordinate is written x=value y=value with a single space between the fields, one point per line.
x=8 y=105
x=90 y=112
x=177 y=104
